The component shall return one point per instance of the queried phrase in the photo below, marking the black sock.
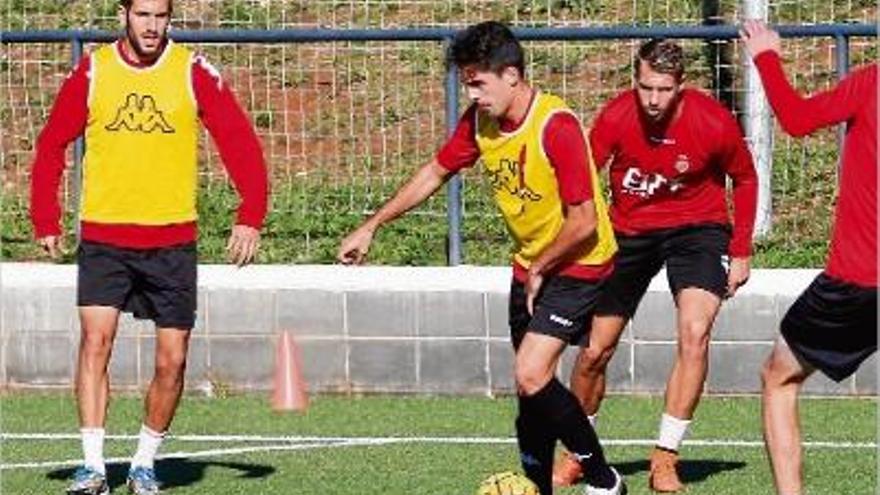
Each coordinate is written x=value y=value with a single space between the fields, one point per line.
x=536 y=444
x=572 y=427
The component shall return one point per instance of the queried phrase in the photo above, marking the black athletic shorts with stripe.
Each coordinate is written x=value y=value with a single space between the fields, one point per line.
x=833 y=326
x=154 y=284
x=695 y=256
x=563 y=309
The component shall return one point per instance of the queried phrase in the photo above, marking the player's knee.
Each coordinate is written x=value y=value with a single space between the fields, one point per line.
x=170 y=365
x=594 y=359
x=694 y=338
x=768 y=374
x=529 y=379
x=96 y=343
x=775 y=372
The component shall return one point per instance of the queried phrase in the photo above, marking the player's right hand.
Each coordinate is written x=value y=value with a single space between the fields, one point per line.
x=533 y=288
x=53 y=245
x=759 y=38
x=353 y=249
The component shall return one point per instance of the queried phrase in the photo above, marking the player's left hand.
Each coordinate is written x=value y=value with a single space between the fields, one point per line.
x=243 y=244
x=533 y=287
x=759 y=38
x=738 y=274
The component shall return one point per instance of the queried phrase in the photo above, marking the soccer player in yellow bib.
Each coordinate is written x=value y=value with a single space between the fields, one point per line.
x=536 y=158
x=139 y=102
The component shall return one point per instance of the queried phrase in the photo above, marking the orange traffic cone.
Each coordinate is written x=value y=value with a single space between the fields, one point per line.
x=289 y=392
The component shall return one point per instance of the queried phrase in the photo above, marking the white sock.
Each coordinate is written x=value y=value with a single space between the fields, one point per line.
x=594 y=419
x=93 y=448
x=148 y=444
x=672 y=432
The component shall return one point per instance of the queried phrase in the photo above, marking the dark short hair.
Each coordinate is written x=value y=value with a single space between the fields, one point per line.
x=126 y=4
x=663 y=56
x=488 y=45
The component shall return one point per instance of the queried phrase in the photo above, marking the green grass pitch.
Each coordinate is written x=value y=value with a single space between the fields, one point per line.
x=405 y=445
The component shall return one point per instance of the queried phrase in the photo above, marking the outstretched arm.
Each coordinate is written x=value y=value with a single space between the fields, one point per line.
x=460 y=151
x=353 y=249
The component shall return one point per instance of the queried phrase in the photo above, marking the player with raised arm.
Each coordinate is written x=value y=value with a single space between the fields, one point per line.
x=832 y=326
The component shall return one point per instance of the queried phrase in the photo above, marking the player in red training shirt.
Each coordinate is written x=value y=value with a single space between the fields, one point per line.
x=669 y=151
x=832 y=326
x=139 y=101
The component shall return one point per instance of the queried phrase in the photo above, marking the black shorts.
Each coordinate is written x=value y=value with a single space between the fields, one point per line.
x=833 y=326
x=695 y=256
x=563 y=309
x=155 y=284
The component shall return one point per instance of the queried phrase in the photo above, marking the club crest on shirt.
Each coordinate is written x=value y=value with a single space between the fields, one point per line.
x=682 y=163
x=139 y=114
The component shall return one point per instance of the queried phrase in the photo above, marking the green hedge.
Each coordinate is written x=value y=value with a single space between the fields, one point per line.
x=307 y=223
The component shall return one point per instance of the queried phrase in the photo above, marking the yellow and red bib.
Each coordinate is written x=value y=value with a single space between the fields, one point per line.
x=140 y=164
x=526 y=189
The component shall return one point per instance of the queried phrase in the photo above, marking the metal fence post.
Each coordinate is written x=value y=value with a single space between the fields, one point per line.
x=79 y=148
x=759 y=128
x=841 y=50
x=453 y=187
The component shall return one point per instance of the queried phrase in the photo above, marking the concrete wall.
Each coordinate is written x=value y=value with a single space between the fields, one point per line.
x=436 y=330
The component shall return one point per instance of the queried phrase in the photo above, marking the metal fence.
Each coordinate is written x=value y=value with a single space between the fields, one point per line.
x=274 y=14
x=344 y=121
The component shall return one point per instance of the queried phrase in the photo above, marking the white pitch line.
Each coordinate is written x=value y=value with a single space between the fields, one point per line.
x=299 y=439
x=291 y=443
x=190 y=455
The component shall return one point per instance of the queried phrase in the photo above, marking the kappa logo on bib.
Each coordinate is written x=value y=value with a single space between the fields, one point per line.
x=140 y=114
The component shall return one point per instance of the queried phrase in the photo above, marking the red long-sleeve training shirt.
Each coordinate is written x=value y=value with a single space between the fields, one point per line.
x=853 y=254
x=227 y=123
x=676 y=176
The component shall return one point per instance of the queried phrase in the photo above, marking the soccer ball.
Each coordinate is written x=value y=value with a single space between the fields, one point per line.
x=507 y=483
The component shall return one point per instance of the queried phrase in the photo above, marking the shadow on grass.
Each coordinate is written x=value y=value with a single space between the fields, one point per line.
x=174 y=472
x=690 y=471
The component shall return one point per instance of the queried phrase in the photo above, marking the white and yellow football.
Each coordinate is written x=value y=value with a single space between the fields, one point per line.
x=507 y=483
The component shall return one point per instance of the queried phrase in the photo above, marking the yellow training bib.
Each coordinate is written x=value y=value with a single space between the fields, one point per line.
x=140 y=164
x=526 y=189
